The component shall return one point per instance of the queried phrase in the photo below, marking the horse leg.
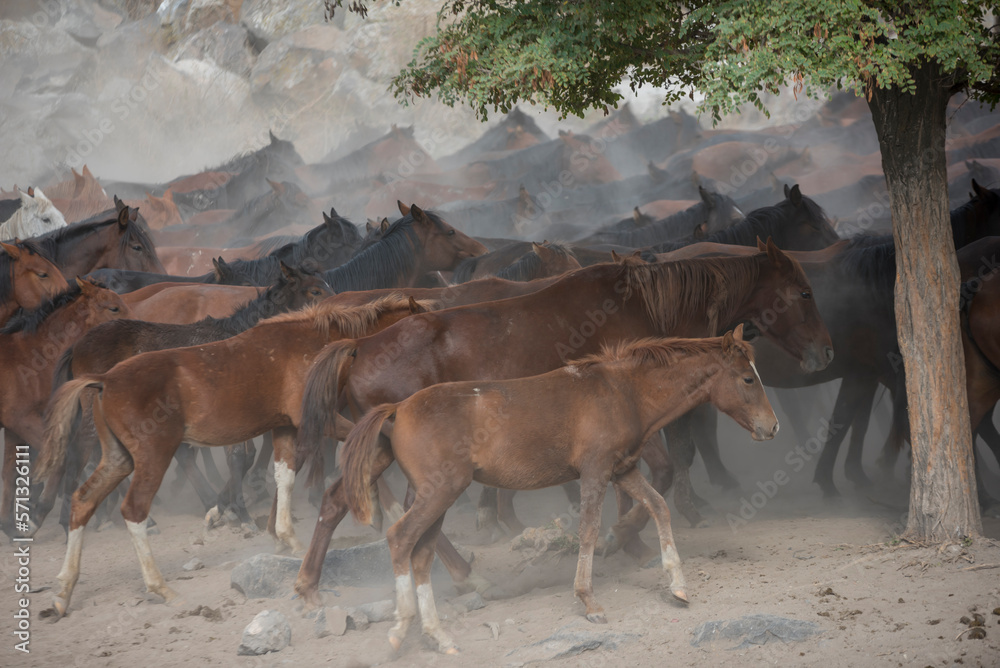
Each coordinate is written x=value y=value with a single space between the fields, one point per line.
x=843 y=411
x=631 y=520
x=458 y=568
x=115 y=465
x=48 y=498
x=10 y=444
x=706 y=428
x=333 y=510
x=593 y=485
x=421 y=559
x=187 y=457
x=853 y=468
x=681 y=450
x=487 y=513
x=239 y=458
x=279 y=523
x=636 y=486
x=211 y=470
x=135 y=509
x=505 y=512
x=257 y=478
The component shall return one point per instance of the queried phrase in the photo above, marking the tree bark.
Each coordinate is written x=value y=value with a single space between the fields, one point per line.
x=911 y=131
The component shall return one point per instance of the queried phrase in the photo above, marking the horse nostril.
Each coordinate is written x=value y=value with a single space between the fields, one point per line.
x=829 y=354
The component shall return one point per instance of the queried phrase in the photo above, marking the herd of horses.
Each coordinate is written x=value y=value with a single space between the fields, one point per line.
x=207 y=314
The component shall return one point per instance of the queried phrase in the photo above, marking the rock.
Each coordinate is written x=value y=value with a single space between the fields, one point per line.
x=331 y=621
x=270 y=20
x=225 y=44
x=757 y=629
x=195 y=564
x=357 y=620
x=284 y=71
x=469 y=602
x=265 y=576
x=268 y=632
x=379 y=611
x=570 y=640
x=202 y=14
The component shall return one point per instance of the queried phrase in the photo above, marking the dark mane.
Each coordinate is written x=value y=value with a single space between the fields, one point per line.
x=680 y=224
x=30 y=321
x=871 y=261
x=768 y=221
x=658 y=352
x=384 y=262
x=687 y=290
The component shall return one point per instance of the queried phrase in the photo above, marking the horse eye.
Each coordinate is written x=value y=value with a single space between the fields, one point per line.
x=113 y=309
x=137 y=247
x=805 y=294
x=748 y=380
x=41 y=274
x=451 y=233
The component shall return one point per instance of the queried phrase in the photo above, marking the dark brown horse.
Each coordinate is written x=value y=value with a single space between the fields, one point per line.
x=593 y=416
x=539 y=332
x=27 y=278
x=209 y=395
x=521 y=261
x=31 y=344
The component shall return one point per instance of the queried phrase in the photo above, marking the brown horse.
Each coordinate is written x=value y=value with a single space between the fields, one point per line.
x=593 y=416
x=27 y=278
x=181 y=303
x=520 y=261
x=539 y=332
x=31 y=344
x=213 y=394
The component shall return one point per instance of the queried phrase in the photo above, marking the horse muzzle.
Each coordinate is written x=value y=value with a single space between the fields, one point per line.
x=817 y=359
x=765 y=432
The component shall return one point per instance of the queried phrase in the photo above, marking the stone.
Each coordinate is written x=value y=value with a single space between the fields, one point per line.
x=469 y=602
x=570 y=640
x=755 y=630
x=270 y=20
x=331 y=621
x=379 y=611
x=268 y=632
x=357 y=620
x=195 y=564
x=205 y=13
x=285 y=71
x=225 y=44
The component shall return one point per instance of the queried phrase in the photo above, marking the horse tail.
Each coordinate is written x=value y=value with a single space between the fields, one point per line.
x=358 y=457
x=64 y=369
x=61 y=414
x=320 y=402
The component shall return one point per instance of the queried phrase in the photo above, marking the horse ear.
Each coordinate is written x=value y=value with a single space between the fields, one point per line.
x=277 y=187
x=795 y=195
x=706 y=197
x=119 y=205
x=87 y=173
x=403 y=209
x=786 y=191
x=326 y=219
x=286 y=271
x=727 y=343
x=701 y=231
x=124 y=216
x=738 y=332
x=168 y=195
x=368 y=226
x=383 y=227
x=978 y=189
x=333 y=213
x=86 y=287
x=11 y=249
x=636 y=215
x=536 y=248
x=761 y=246
x=615 y=257
x=775 y=255
x=417 y=212
x=270 y=134
x=415 y=307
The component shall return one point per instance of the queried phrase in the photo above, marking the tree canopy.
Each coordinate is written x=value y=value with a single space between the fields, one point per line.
x=571 y=54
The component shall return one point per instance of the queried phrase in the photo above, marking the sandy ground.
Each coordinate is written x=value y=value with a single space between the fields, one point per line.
x=891 y=603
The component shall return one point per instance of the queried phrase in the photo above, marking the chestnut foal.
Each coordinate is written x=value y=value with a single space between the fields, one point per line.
x=588 y=420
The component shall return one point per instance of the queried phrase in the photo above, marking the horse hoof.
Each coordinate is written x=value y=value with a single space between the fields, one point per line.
x=473 y=583
x=451 y=649
x=57 y=611
x=610 y=546
x=597 y=618
x=395 y=642
x=680 y=595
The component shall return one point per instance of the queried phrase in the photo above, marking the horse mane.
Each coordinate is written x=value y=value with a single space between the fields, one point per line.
x=382 y=263
x=29 y=321
x=871 y=261
x=51 y=242
x=528 y=265
x=681 y=223
x=673 y=292
x=656 y=351
x=352 y=321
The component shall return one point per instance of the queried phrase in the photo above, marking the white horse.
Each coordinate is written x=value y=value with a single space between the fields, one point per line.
x=37 y=215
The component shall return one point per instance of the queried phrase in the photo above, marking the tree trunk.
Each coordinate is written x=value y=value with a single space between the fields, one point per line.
x=911 y=131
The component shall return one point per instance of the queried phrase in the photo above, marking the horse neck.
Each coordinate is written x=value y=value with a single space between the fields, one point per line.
x=384 y=264
x=263 y=306
x=664 y=393
x=77 y=256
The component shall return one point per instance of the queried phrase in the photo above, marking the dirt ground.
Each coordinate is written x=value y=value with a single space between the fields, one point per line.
x=875 y=600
